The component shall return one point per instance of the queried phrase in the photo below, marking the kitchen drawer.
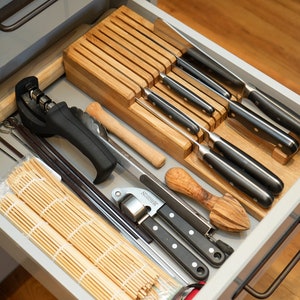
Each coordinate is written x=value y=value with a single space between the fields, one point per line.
x=251 y=247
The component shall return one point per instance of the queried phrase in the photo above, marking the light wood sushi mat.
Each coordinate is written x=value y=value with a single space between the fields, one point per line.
x=83 y=244
x=121 y=56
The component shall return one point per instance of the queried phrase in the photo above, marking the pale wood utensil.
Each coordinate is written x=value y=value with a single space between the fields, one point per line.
x=226 y=212
x=156 y=158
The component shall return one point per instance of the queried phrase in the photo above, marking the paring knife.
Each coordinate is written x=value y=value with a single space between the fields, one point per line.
x=202 y=61
x=236 y=176
x=232 y=153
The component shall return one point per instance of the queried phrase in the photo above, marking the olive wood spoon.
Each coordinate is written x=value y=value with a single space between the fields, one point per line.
x=226 y=212
x=156 y=158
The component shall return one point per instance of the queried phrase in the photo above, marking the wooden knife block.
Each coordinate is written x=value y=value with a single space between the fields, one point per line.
x=120 y=56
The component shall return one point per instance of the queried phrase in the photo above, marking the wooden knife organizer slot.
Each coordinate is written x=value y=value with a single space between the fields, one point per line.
x=118 y=57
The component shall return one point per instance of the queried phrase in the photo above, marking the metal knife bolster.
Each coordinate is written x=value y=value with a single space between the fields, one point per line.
x=172 y=112
x=262 y=128
x=187 y=94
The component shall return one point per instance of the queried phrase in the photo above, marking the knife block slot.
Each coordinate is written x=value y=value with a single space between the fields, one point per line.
x=121 y=56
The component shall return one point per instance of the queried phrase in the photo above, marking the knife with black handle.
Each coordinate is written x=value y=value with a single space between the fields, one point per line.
x=227 y=79
x=263 y=128
x=172 y=112
x=247 y=163
x=176 y=249
x=210 y=252
x=235 y=176
x=231 y=172
x=187 y=94
x=274 y=109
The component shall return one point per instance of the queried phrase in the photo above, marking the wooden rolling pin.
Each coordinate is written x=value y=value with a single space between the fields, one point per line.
x=226 y=212
x=156 y=158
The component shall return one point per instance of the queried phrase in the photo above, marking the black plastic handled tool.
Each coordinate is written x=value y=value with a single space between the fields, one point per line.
x=235 y=176
x=263 y=128
x=172 y=112
x=44 y=117
x=187 y=94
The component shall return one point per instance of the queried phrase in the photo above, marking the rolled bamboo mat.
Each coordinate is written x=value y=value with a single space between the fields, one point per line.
x=123 y=268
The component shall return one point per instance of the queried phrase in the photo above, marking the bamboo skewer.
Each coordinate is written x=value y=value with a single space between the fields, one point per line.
x=81 y=228
x=226 y=212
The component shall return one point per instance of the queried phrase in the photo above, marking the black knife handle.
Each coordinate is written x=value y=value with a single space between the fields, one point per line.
x=236 y=176
x=61 y=121
x=176 y=249
x=197 y=74
x=276 y=111
x=263 y=128
x=247 y=163
x=187 y=94
x=210 y=252
x=172 y=112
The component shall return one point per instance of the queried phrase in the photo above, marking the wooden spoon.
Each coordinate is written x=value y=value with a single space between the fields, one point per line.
x=226 y=212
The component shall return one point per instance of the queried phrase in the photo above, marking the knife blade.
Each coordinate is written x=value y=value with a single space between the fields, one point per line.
x=241 y=89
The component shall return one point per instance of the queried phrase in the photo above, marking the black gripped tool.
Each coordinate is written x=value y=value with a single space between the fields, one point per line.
x=44 y=117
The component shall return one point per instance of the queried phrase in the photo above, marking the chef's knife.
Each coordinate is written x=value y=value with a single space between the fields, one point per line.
x=271 y=107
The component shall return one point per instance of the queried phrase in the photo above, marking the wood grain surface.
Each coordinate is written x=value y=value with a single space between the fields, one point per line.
x=266 y=34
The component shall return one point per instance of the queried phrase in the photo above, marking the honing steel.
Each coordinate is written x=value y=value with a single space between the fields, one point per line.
x=44 y=117
x=223 y=166
x=109 y=53
x=141 y=206
x=226 y=212
x=175 y=203
x=153 y=156
x=276 y=110
x=228 y=150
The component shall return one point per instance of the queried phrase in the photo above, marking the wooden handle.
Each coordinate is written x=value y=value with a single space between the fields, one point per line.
x=177 y=179
x=145 y=150
x=226 y=212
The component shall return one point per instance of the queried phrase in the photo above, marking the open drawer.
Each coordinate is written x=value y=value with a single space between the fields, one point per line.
x=251 y=247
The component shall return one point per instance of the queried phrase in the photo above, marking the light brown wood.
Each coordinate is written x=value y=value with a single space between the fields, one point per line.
x=156 y=158
x=263 y=33
x=47 y=67
x=111 y=87
x=226 y=213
